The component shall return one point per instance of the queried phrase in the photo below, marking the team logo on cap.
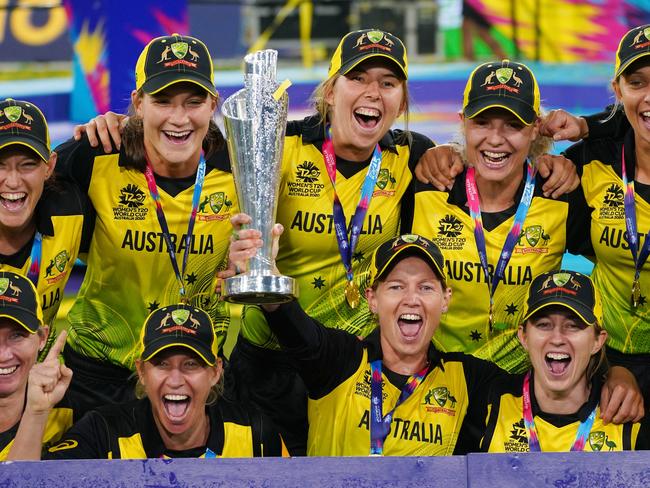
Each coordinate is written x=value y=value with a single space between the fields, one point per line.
x=376 y=38
x=639 y=38
x=214 y=203
x=504 y=76
x=437 y=399
x=179 y=321
x=180 y=315
x=179 y=49
x=6 y=285
x=557 y=281
x=14 y=114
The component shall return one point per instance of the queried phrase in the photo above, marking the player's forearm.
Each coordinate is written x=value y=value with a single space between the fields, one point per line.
x=28 y=442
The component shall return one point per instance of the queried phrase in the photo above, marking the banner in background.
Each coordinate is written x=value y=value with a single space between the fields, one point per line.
x=107 y=38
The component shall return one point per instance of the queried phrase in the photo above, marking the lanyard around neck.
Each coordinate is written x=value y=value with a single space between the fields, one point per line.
x=471 y=191
x=379 y=423
x=529 y=421
x=347 y=242
x=35 y=258
x=632 y=237
x=164 y=227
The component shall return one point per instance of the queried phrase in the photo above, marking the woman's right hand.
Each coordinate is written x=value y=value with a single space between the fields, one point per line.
x=105 y=129
x=439 y=166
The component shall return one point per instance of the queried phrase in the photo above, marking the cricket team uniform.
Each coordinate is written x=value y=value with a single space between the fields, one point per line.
x=309 y=253
x=550 y=227
x=506 y=430
x=129 y=271
x=336 y=369
x=600 y=161
x=128 y=431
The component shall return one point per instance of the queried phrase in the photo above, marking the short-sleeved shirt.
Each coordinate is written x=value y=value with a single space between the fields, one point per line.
x=308 y=247
x=129 y=270
x=550 y=227
x=128 y=431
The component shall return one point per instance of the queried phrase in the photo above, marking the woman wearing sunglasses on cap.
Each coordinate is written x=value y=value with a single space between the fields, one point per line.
x=179 y=414
x=42 y=224
x=498 y=229
x=563 y=335
x=163 y=202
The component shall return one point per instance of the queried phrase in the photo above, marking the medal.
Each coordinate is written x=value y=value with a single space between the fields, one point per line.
x=352 y=294
x=636 y=293
x=491 y=317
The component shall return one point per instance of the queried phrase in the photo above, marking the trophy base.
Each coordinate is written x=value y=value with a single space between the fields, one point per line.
x=259 y=289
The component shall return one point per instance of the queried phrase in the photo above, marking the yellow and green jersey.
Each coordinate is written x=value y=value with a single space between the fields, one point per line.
x=64 y=221
x=550 y=226
x=600 y=159
x=308 y=247
x=128 y=431
x=129 y=271
x=506 y=432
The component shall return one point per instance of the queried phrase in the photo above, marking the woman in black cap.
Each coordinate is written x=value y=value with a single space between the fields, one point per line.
x=179 y=413
x=554 y=406
x=42 y=224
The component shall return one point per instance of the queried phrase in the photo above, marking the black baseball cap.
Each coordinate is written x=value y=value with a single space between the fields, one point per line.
x=569 y=289
x=396 y=249
x=634 y=45
x=357 y=46
x=179 y=325
x=23 y=124
x=19 y=301
x=173 y=59
x=506 y=84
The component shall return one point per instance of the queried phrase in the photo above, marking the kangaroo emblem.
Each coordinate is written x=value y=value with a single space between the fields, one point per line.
x=452 y=400
x=28 y=118
x=15 y=291
x=427 y=398
x=194 y=55
x=518 y=81
x=389 y=42
x=163 y=322
x=637 y=38
x=489 y=78
x=360 y=40
x=203 y=204
x=48 y=270
x=163 y=55
x=546 y=284
x=574 y=284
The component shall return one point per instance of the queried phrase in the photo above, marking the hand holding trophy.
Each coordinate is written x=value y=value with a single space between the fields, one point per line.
x=255 y=120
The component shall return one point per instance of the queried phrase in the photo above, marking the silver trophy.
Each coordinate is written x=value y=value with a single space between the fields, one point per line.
x=255 y=119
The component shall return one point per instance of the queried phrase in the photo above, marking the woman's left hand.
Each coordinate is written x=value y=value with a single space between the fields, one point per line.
x=561 y=173
x=621 y=400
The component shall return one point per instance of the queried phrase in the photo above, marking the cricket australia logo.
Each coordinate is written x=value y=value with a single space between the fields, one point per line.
x=180 y=50
x=450 y=229
x=9 y=292
x=641 y=39
x=306 y=182
x=440 y=400
x=530 y=237
x=598 y=439
x=385 y=183
x=613 y=207
x=374 y=39
x=17 y=118
x=518 y=440
x=55 y=271
x=211 y=206
x=503 y=79
x=180 y=319
x=130 y=204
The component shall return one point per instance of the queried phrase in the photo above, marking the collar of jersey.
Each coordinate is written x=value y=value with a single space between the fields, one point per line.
x=313 y=132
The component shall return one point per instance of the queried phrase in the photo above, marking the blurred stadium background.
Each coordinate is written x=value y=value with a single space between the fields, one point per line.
x=75 y=58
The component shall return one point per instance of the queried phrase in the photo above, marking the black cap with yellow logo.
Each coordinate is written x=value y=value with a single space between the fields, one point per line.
x=173 y=59
x=569 y=289
x=179 y=325
x=506 y=84
x=394 y=250
x=23 y=124
x=360 y=45
x=19 y=301
x=634 y=45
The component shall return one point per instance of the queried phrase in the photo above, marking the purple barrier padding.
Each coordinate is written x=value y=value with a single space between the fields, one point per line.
x=560 y=470
x=447 y=472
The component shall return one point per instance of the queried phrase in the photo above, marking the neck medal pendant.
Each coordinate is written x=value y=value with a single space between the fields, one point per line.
x=352 y=294
x=636 y=293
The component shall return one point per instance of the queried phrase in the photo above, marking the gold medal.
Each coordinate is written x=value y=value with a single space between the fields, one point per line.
x=636 y=293
x=352 y=294
x=491 y=319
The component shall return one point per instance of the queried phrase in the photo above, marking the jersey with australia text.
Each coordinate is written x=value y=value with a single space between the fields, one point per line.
x=506 y=431
x=550 y=226
x=64 y=221
x=308 y=247
x=627 y=326
x=129 y=271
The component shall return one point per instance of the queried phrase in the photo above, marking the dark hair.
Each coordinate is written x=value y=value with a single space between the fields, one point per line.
x=133 y=138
